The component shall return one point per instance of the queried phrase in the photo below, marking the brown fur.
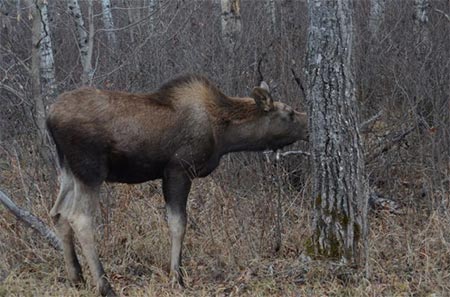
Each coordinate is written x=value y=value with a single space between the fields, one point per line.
x=177 y=133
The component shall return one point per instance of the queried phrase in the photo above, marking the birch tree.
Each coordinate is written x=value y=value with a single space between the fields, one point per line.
x=108 y=23
x=376 y=16
x=47 y=62
x=42 y=63
x=39 y=106
x=422 y=31
x=85 y=39
x=271 y=11
x=340 y=192
x=153 y=6
x=231 y=23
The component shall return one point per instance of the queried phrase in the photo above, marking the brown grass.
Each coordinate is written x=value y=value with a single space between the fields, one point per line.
x=230 y=243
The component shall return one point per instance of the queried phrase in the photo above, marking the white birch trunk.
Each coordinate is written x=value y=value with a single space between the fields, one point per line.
x=376 y=17
x=108 y=23
x=47 y=63
x=153 y=6
x=42 y=64
x=84 y=39
x=422 y=29
x=340 y=190
x=231 y=23
x=271 y=11
x=39 y=106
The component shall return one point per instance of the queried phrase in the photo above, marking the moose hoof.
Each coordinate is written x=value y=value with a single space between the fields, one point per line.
x=75 y=277
x=176 y=281
x=105 y=289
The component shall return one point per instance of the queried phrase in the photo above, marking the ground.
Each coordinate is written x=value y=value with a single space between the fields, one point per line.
x=230 y=246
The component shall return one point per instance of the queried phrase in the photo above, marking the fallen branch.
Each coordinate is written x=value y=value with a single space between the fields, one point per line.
x=31 y=221
x=390 y=143
x=380 y=203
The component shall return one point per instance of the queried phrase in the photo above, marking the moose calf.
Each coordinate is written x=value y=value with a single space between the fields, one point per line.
x=176 y=134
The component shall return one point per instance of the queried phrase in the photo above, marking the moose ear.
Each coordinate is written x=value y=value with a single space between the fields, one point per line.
x=262 y=97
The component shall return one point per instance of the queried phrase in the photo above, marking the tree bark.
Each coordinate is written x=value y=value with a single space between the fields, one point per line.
x=271 y=11
x=376 y=16
x=109 y=23
x=37 y=55
x=231 y=23
x=340 y=189
x=153 y=6
x=421 y=27
x=47 y=63
x=85 y=38
x=31 y=221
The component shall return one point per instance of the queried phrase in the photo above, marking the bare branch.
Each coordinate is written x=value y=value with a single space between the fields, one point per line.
x=278 y=155
x=31 y=221
x=379 y=202
x=299 y=82
x=17 y=93
x=390 y=143
x=443 y=13
x=365 y=126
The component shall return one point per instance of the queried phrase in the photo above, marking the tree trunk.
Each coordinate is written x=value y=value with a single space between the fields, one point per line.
x=421 y=28
x=422 y=46
x=153 y=6
x=340 y=189
x=47 y=63
x=231 y=34
x=231 y=23
x=42 y=64
x=376 y=16
x=108 y=23
x=271 y=11
x=85 y=39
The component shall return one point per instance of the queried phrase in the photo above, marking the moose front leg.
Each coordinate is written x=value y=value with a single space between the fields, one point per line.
x=176 y=187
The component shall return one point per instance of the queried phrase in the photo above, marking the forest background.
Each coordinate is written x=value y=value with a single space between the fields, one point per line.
x=250 y=221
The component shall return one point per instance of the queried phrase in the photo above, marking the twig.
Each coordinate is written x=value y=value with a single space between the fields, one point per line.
x=443 y=13
x=379 y=202
x=299 y=82
x=278 y=154
x=365 y=126
x=387 y=146
x=31 y=221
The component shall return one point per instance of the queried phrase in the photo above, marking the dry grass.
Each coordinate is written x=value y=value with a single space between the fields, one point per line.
x=230 y=243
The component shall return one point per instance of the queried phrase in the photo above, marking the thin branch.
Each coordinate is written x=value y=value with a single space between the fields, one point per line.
x=390 y=143
x=443 y=13
x=365 y=126
x=14 y=91
x=278 y=154
x=31 y=221
x=299 y=82
x=142 y=20
x=298 y=152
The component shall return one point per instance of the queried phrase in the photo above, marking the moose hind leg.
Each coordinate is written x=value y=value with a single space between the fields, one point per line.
x=64 y=230
x=82 y=221
x=176 y=187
